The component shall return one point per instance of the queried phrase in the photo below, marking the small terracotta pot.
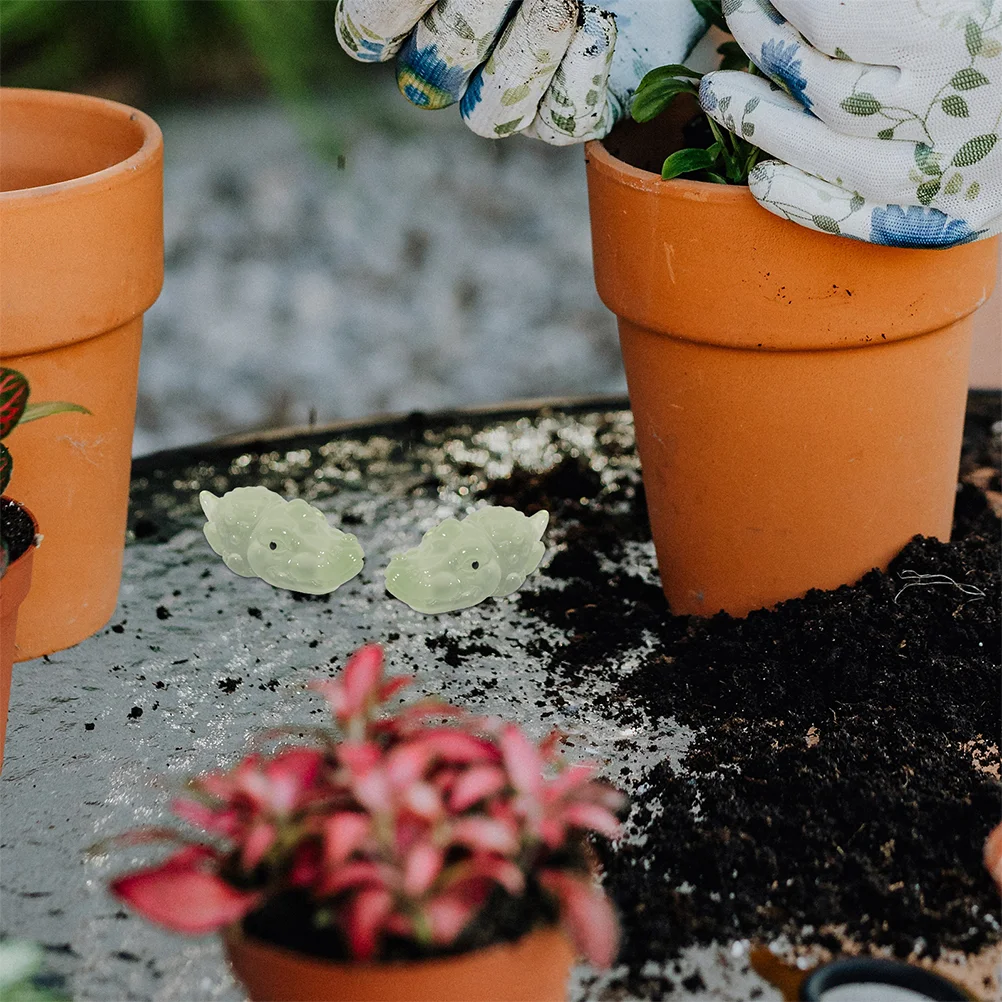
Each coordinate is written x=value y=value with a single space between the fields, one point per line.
x=14 y=586
x=81 y=254
x=535 y=969
x=798 y=397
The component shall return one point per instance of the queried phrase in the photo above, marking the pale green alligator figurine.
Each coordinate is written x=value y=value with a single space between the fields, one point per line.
x=289 y=544
x=458 y=564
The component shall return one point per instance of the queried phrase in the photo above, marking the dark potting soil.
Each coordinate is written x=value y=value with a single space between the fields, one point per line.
x=844 y=772
x=844 y=768
x=16 y=528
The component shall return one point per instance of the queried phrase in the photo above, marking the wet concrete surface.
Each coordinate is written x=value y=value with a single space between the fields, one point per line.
x=196 y=660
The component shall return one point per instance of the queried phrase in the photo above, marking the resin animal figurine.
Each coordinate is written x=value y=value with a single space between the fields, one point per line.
x=289 y=544
x=459 y=564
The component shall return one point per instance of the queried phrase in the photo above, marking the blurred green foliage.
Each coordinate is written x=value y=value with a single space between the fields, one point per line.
x=155 y=50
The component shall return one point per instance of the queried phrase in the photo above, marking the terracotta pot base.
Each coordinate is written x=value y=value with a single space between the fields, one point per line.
x=535 y=969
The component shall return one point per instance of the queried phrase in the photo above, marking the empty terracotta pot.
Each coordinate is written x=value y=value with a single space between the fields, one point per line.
x=81 y=254
x=534 y=969
x=798 y=397
x=14 y=587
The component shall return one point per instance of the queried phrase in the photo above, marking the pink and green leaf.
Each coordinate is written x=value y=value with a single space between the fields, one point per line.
x=365 y=917
x=183 y=894
x=587 y=915
x=344 y=833
x=13 y=399
x=476 y=784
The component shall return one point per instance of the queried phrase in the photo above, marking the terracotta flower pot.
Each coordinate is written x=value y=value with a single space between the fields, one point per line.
x=798 y=397
x=81 y=254
x=14 y=587
x=535 y=969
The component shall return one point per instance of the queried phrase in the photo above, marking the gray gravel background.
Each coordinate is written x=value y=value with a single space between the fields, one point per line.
x=434 y=269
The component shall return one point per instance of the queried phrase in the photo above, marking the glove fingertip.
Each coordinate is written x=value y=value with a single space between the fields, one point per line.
x=425 y=79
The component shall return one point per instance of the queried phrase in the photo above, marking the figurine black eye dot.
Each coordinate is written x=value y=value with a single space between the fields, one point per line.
x=273 y=545
x=476 y=565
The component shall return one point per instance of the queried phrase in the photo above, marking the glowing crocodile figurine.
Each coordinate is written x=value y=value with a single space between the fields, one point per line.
x=289 y=544
x=459 y=564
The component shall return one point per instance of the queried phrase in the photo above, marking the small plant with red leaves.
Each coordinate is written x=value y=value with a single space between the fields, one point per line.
x=412 y=833
x=15 y=410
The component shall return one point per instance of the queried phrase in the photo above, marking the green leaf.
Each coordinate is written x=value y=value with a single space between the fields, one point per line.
x=710 y=9
x=35 y=411
x=968 y=78
x=927 y=159
x=973 y=190
x=716 y=178
x=857 y=202
x=652 y=99
x=974 y=150
x=463 y=29
x=515 y=94
x=724 y=103
x=928 y=190
x=956 y=106
x=954 y=185
x=669 y=70
x=886 y=134
x=861 y=103
x=842 y=54
x=972 y=38
x=507 y=128
x=686 y=161
x=826 y=223
x=751 y=105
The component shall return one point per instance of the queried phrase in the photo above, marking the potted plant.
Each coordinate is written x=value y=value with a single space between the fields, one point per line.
x=397 y=857
x=18 y=528
x=81 y=254
x=798 y=397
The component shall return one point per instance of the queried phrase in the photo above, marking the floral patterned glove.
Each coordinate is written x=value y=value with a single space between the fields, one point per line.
x=558 y=70
x=887 y=115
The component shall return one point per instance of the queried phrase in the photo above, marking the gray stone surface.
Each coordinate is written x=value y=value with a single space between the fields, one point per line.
x=197 y=660
x=435 y=269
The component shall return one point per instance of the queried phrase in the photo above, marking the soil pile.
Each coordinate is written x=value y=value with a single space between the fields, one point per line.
x=845 y=770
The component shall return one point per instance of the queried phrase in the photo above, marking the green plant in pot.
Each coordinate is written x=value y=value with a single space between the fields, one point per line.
x=724 y=156
x=14 y=410
x=18 y=531
x=799 y=396
x=418 y=853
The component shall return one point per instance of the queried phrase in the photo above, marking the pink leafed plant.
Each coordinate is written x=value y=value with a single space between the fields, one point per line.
x=410 y=827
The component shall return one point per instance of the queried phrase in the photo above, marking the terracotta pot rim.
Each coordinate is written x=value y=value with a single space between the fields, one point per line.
x=234 y=935
x=645 y=180
x=152 y=141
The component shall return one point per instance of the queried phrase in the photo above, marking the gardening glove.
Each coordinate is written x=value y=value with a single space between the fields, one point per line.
x=884 y=116
x=558 y=70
